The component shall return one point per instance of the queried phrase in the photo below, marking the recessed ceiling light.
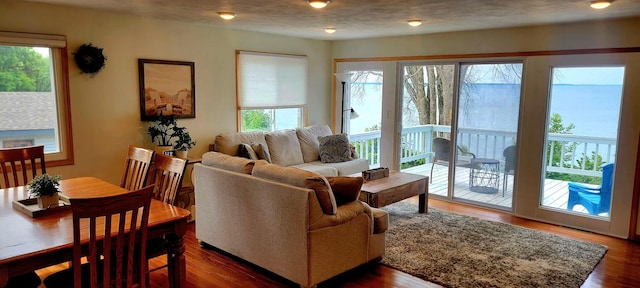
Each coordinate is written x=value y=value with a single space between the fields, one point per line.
x=414 y=23
x=330 y=30
x=318 y=3
x=600 y=4
x=227 y=15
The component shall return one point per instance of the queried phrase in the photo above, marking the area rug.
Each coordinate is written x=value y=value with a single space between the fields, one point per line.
x=461 y=251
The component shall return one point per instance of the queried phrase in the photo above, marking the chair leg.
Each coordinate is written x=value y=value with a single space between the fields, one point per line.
x=431 y=177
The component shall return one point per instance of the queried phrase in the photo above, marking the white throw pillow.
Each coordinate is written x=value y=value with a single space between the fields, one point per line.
x=284 y=147
x=308 y=137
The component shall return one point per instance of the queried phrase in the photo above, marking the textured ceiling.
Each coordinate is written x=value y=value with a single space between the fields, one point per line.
x=363 y=18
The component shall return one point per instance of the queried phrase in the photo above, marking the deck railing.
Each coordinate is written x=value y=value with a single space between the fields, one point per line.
x=485 y=143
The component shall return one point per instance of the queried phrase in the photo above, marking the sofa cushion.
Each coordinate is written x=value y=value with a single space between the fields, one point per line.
x=284 y=147
x=308 y=137
x=261 y=151
x=227 y=143
x=334 y=148
x=227 y=162
x=345 y=189
x=346 y=168
x=300 y=178
x=323 y=170
x=245 y=151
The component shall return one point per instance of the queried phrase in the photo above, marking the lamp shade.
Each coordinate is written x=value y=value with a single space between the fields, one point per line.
x=343 y=77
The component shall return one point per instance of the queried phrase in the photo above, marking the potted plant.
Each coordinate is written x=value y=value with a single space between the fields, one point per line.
x=45 y=188
x=162 y=131
x=183 y=143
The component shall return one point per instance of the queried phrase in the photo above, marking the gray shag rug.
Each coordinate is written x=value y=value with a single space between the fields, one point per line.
x=461 y=251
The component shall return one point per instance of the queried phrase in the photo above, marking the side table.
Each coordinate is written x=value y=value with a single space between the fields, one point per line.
x=186 y=196
x=485 y=175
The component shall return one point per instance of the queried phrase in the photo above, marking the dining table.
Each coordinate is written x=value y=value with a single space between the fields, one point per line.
x=29 y=243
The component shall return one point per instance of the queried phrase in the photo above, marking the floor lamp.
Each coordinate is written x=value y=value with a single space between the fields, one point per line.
x=344 y=77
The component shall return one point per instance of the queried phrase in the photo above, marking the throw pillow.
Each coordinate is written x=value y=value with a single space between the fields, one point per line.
x=345 y=189
x=261 y=152
x=354 y=153
x=334 y=148
x=245 y=150
x=284 y=147
x=308 y=137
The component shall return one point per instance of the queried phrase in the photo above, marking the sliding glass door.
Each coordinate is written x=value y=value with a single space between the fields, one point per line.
x=461 y=131
x=486 y=142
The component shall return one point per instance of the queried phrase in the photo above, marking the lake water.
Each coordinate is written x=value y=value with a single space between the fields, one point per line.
x=593 y=109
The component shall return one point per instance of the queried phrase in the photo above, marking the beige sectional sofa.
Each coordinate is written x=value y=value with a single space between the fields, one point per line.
x=295 y=223
x=294 y=148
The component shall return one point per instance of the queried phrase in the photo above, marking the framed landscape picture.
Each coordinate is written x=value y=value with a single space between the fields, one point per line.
x=166 y=88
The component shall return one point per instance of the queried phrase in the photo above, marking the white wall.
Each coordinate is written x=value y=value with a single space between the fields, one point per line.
x=619 y=33
x=105 y=109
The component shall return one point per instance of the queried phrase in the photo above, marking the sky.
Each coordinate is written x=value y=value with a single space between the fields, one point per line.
x=589 y=76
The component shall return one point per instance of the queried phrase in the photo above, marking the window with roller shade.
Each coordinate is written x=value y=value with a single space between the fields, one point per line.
x=272 y=91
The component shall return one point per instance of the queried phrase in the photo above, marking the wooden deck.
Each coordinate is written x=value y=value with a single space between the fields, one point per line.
x=556 y=192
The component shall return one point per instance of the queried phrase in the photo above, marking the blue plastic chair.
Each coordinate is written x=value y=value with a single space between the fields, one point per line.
x=595 y=199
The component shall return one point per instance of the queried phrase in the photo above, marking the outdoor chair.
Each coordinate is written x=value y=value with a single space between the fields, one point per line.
x=136 y=168
x=441 y=149
x=509 y=154
x=595 y=199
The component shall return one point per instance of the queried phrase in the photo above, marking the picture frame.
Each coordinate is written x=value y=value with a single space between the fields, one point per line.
x=166 y=88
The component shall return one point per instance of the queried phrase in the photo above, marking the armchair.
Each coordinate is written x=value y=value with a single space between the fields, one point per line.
x=595 y=199
x=441 y=147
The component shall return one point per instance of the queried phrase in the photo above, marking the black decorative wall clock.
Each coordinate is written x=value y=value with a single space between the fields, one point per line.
x=89 y=59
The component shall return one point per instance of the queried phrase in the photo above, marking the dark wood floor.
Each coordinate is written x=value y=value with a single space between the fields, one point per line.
x=207 y=267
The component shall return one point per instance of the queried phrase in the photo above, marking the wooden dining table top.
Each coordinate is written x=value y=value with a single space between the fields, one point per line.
x=24 y=237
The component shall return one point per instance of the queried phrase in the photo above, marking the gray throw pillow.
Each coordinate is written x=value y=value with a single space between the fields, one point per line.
x=334 y=148
x=245 y=150
x=262 y=153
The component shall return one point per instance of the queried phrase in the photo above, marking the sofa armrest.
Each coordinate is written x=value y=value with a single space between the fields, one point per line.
x=345 y=213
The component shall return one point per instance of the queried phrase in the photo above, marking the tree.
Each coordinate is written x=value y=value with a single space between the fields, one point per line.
x=22 y=69
x=256 y=120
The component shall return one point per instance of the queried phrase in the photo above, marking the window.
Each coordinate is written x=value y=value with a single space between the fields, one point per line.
x=34 y=101
x=272 y=91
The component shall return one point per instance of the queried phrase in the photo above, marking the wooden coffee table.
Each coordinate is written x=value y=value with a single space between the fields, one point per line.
x=398 y=186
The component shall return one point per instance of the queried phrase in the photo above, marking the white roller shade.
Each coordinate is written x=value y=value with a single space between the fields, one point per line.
x=271 y=80
x=31 y=39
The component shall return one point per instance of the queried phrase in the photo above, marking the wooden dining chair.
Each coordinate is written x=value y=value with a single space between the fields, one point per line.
x=20 y=165
x=136 y=168
x=117 y=261
x=167 y=173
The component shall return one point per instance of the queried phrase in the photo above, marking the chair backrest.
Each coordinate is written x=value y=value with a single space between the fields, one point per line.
x=13 y=161
x=441 y=149
x=117 y=215
x=605 y=187
x=166 y=174
x=136 y=168
x=509 y=154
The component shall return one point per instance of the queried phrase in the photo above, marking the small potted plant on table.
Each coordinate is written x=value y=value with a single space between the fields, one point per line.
x=45 y=188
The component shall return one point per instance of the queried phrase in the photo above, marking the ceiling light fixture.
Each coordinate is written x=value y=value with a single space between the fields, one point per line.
x=600 y=4
x=227 y=15
x=318 y=4
x=330 y=30
x=414 y=23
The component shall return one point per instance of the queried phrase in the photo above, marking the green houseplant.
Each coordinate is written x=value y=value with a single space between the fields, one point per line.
x=45 y=188
x=183 y=142
x=164 y=130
